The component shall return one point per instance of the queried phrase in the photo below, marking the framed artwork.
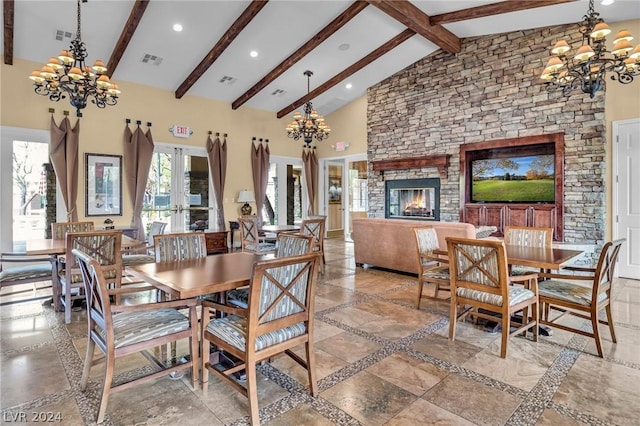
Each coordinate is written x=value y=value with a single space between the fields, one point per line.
x=103 y=185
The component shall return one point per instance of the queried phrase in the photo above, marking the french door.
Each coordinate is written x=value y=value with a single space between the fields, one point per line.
x=286 y=196
x=178 y=190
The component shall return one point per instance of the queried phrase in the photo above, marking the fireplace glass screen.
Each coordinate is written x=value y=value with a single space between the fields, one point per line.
x=412 y=202
x=417 y=199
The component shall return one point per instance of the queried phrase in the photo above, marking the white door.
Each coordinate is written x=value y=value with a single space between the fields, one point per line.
x=626 y=196
x=178 y=190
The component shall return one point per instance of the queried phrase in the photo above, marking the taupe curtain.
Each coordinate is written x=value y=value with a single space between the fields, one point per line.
x=138 y=151
x=310 y=162
x=64 y=158
x=260 y=162
x=217 y=155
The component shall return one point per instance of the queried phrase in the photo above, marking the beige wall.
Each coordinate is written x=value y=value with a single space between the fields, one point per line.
x=101 y=130
x=621 y=103
x=348 y=124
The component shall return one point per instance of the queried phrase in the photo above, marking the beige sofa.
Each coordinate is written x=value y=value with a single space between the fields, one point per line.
x=391 y=243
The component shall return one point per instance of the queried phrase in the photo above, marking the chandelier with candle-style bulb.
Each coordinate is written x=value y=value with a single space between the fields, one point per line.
x=68 y=76
x=587 y=69
x=309 y=125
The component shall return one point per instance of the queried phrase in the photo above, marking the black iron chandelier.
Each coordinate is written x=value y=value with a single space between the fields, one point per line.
x=587 y=69
x=67 y=75
x=310 y=125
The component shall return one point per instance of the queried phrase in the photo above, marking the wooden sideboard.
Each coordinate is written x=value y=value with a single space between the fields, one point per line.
x=502 y=215
x=216 y=242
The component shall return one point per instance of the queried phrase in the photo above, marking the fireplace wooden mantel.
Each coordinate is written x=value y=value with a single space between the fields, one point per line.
x=440 y=161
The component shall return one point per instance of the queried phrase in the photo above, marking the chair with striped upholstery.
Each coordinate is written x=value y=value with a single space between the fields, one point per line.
x=480 y=287
x=148 y=256
x=584 y=296
x=431 y=268
x=250 y=236
x=179 y=246
x=105 y=247
x=30 y=270
x=527 y=236
x=287 y=245
x=279 y=318
x=120 y=330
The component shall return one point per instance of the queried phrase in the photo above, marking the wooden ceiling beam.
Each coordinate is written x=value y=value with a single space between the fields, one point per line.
x=8 y=10
x=227 y=38
x=126 y=35
x=377 y=53
x=353 y=9
x=412 y=17
x=492 y=9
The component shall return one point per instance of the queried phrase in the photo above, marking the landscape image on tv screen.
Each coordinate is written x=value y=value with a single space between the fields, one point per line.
x=514 y=179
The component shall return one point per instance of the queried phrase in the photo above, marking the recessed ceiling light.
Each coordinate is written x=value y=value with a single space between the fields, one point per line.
x=177 y=28
x=344 y=46
x=253 y=54
x=348 y=85
x=606 y=2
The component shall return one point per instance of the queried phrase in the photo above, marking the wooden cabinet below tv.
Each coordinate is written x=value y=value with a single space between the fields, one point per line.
x=501 y=215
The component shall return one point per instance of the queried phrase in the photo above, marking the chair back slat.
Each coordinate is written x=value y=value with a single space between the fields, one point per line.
x=60 y=229
x=293 y=244
x=180 y=246
x=426 y=240
x=249 y=235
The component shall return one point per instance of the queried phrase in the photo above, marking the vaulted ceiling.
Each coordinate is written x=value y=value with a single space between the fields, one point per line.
x=342 y=41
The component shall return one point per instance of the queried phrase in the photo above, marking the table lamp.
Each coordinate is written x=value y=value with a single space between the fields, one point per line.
x=245 y=197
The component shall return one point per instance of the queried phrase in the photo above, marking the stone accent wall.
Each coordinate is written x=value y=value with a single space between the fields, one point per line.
x=490 y=90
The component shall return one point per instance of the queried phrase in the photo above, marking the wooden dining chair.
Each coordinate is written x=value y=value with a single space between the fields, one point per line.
x=279 y=317
x=18 y=268
x=120 y=330
x=105 y=247
x=179 y=246
x=480 y=284
x=147 y=254
x=432 y=269
x=250 y=236
x=315 y=226
x=582 y=295
x=527 y=236
x=287 y=245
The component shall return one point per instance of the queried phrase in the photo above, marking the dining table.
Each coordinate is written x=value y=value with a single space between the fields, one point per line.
x=54 y=247
x=276 y=229
x=186 y=279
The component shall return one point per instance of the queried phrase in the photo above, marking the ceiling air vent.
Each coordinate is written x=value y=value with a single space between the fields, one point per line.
x=151 y=59
x=63 y=35
x=278 y=92
x=227 y=80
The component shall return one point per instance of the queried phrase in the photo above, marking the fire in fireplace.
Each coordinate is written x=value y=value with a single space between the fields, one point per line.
x=413 y=199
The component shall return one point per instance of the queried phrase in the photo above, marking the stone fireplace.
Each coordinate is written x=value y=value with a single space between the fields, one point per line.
x=417 y=199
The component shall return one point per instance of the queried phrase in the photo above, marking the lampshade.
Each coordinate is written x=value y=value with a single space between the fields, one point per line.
x=246 y=197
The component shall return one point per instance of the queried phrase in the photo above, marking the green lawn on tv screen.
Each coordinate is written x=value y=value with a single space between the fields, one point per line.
x=514 y=190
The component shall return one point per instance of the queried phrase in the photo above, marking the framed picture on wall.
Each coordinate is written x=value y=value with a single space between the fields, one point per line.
x=103 y=185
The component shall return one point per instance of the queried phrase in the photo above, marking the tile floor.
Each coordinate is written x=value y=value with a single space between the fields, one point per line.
x=380 y=361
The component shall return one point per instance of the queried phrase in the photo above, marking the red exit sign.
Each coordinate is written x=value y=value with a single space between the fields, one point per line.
x=181 y=131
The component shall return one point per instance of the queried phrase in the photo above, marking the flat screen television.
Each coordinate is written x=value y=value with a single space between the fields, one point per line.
x=514 y=179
